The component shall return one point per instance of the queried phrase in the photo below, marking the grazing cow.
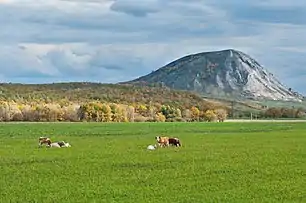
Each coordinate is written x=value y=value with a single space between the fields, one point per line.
x=175 y=141
x=162 y=141
x=60 y=144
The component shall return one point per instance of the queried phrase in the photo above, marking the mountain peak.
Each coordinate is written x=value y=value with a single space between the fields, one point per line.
x=224 y=73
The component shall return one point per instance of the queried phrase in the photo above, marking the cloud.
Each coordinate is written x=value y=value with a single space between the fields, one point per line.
x=117 y=40
x=270 y=11
x=135 y=7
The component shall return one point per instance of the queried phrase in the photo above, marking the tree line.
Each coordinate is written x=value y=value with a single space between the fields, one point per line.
x=272 y=113
x=283 y=112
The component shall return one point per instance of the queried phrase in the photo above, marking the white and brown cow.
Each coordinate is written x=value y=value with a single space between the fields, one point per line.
x=43 y=140
x=162 y=141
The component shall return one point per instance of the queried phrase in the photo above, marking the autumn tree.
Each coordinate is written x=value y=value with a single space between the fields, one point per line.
x=4 y=111
x=118 y=113
x=141 y=109
x=69 y=113
x=160 y=117
x=14 y=113
x=130 y=113
x=106 y=113
x=186 y=114
x=27 y=112
x=210 y=116
x=221 y=114
x=151 y=112
x=195 y=113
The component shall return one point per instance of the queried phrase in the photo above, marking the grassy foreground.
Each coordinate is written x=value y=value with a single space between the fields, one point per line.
x=108 y=162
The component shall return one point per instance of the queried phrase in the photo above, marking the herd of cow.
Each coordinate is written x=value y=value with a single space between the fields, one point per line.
x=161 y=141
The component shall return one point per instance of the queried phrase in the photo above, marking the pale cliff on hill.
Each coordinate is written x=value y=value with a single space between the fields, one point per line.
x=226 y=73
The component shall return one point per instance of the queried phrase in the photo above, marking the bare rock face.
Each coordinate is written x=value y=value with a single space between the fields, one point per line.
x=226 y=73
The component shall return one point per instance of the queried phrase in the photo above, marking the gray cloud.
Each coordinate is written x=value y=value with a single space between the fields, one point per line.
x=92 y=26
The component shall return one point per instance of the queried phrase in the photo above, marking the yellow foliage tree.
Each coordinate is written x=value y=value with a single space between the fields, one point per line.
x=142 y=109
x=15 y=113
x=159 y=117
x=210 y=116
x=106 y=113
x=119 y=113
x=195 y=113
x=178 y=113
x=130 y=113
x=4 y=114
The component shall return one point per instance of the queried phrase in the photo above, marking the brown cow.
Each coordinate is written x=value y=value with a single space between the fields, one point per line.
x=174 y=141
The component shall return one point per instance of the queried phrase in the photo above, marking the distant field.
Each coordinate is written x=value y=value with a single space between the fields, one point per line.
x=108 y=162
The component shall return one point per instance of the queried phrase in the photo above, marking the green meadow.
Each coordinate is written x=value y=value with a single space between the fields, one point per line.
x=109 y=162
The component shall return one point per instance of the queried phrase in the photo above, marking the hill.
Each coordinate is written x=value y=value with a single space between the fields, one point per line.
x=81 y=92
x=104 y=103
x=221 y=74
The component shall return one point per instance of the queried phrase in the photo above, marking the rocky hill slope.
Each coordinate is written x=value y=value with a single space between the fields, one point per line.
x=226 y=73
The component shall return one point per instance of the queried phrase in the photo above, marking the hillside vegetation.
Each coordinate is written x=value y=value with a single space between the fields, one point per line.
x=125 y=103
x=103 y=102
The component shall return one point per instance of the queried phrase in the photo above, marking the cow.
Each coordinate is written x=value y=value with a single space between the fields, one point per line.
x=174 y=142
x=43 y=140
x=162 y=141
x=60 y=144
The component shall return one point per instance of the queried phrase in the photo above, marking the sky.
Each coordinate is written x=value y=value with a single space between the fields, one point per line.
x=111 y=41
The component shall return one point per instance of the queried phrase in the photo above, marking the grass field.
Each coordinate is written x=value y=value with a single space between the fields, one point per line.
x=218 y=162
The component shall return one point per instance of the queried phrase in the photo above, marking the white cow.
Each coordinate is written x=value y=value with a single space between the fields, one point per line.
x=60 y=144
